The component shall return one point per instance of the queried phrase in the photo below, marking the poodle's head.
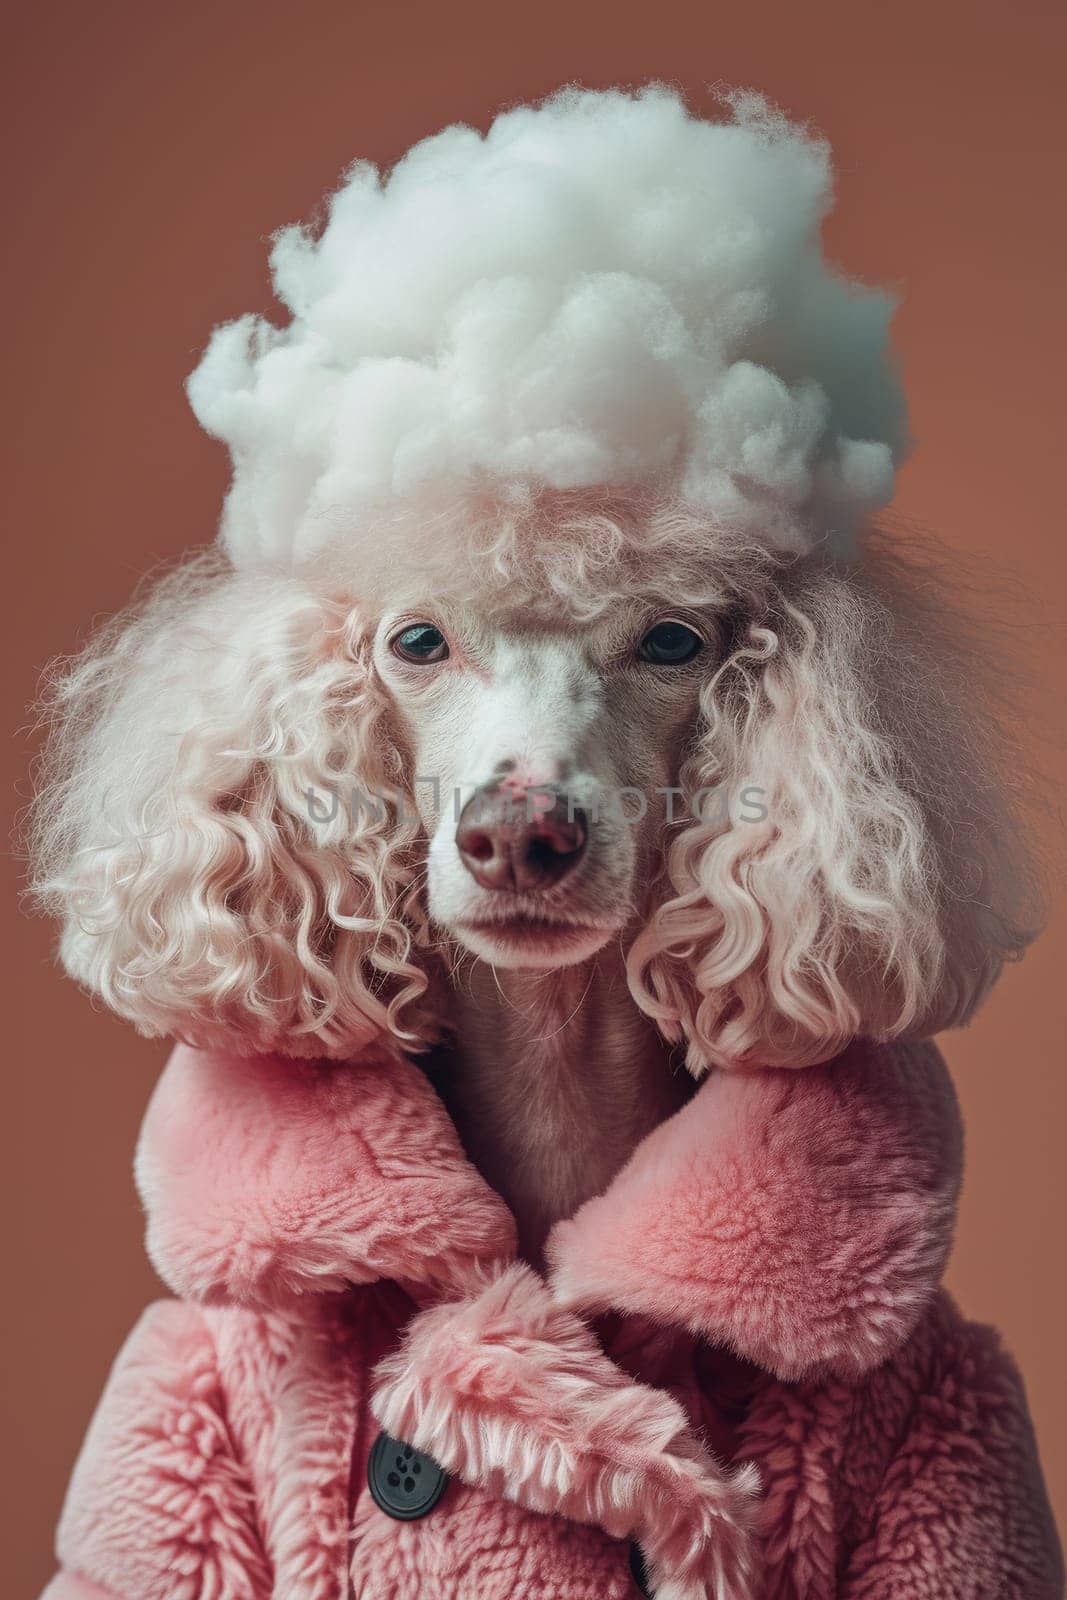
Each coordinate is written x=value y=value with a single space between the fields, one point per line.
x=277 y=813
x=548 y=616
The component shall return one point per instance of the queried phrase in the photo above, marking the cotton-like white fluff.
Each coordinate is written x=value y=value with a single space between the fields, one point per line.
x=602 y=290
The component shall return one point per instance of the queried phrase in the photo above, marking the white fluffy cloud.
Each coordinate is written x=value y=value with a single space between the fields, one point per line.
x=602 y=290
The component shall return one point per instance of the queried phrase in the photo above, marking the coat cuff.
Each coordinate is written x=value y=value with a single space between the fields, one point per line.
x=512 y=1393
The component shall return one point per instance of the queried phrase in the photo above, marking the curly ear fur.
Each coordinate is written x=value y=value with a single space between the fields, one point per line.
x=174 y=827
x=885 y=882
x=879 y=895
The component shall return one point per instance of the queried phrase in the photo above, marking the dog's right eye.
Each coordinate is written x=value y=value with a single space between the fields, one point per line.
x=421 y=643
x=670 y=644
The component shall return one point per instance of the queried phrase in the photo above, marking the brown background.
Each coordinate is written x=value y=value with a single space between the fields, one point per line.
x=155 y=146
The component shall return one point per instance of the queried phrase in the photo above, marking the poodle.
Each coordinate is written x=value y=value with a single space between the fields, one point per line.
x=550 y=820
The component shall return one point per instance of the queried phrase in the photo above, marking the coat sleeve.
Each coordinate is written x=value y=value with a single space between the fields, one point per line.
x=962 y=1511
x=160 y=1506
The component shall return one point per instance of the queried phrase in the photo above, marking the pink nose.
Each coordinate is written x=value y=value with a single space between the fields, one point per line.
x=520 y=844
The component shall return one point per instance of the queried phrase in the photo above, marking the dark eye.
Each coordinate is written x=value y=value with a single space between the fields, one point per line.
x=420 y=643
x=670 y=644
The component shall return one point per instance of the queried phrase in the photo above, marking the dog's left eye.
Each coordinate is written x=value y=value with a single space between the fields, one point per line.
x=670 y=644
x=420 y=643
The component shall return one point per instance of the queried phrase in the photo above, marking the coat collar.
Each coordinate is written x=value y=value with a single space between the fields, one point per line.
x=800 y=1219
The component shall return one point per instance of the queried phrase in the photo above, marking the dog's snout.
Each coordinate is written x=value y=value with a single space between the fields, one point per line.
x=521 y=843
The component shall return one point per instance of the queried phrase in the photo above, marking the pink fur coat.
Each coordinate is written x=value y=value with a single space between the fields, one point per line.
x=739 y=1357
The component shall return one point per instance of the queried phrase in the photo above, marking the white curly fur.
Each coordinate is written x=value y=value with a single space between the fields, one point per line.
x=880 y=897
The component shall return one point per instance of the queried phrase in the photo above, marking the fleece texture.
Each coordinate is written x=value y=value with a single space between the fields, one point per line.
x=739 y=1357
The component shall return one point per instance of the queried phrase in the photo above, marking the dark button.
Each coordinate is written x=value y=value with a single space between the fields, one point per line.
x=640 y=1571
x=403 y=1482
